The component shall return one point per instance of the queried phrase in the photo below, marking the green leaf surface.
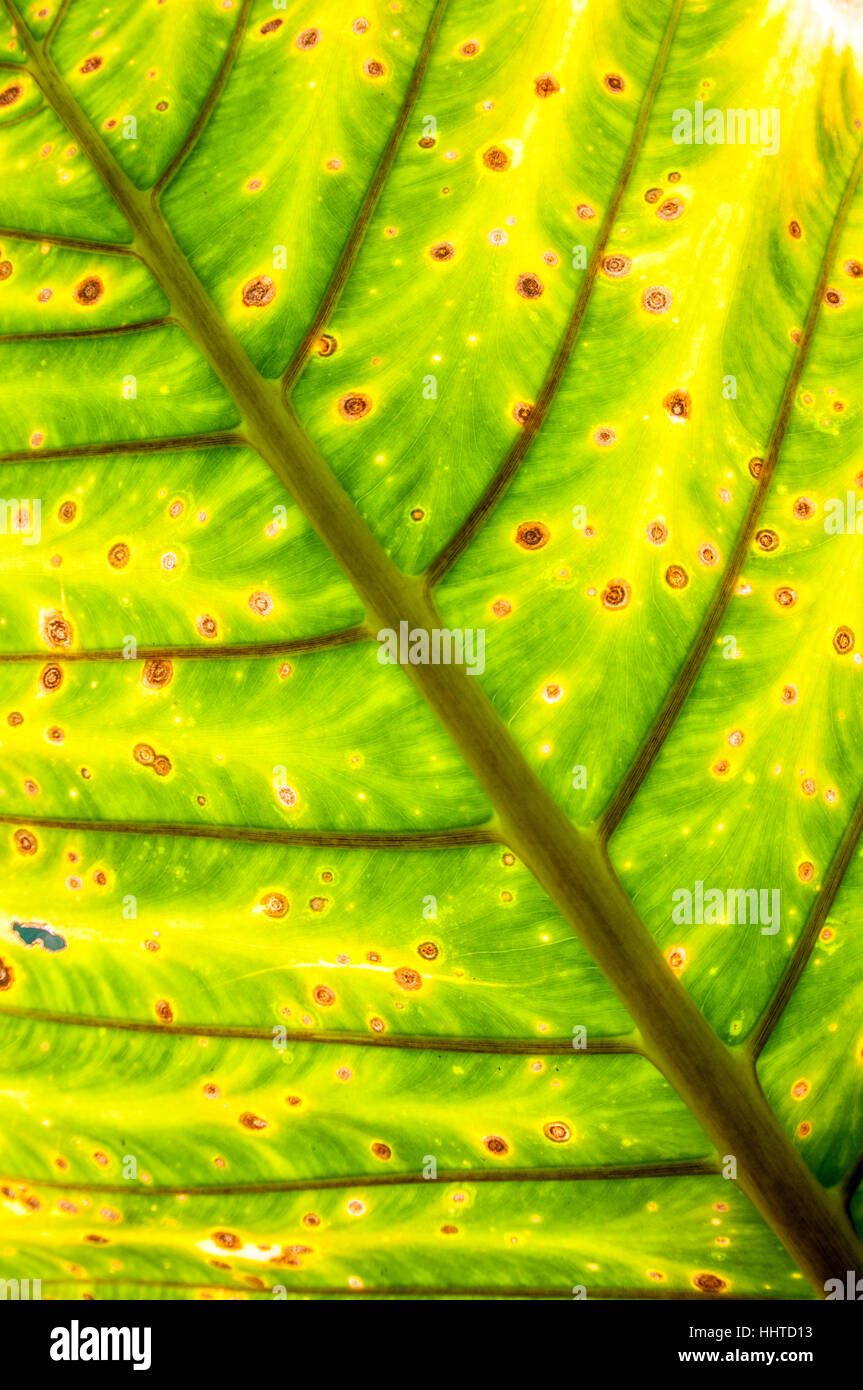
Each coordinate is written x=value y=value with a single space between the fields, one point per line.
x=326 y=979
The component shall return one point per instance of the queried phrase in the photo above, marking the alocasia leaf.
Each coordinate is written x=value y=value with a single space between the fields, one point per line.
x=327 y=978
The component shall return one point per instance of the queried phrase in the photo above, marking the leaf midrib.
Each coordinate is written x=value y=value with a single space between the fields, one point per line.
x=721 y=1092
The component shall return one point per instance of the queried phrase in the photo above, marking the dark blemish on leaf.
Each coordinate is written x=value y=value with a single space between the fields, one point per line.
x=614 y=82
x=804 y=508
x=709 y=1283
x=161 y=106
x=557 y=1132
x=854 y=269
x=92 y=64
x=10 y=95
x=318 y=904
x=521 y=412
x=495 y=1144
x=260 y=603
x=496 y=158
x=56 y=629
x=164 y=1012
x=326 y=345
x=373 y=68
x=657 y=299
x=605 y=436
x=585 y=212
x=786 y=598
x=417 y=514
x=708 y=554
x=545 y=85
x=162 y=765
x=355 y=405
x=674 y=177
x=426 y=142
x=676 y=577
x=259 y=292
x=407 y=978
x=271 y=26
x=428 y=950
x=5 y=270
x=144 y=754
x=806 y=872
x=469 y=49
x=67 y=512
x=532 y=535
x=843 y=640
x=377 y=1025
x=616 y=266
x=616 y=594
x=529 y=286
x=14 y=718
x=50 y=678
x=755 y=467
x=834 y=298
x=207 y=626
x=671 y=209
x=274 y=904
x=311 y=1218
x=442 y=251
x=25 y=842
x=678 y=404
x=382 y=1151
x=789 y=695
x=226 y=1239
x=118 y=555
x=657 y=533
x=309 y=38
x=795 y=230
x=323 y=995
x=158 y=672
x=501 y=608
x=7 y=976
x=767 y=540
x=250 y=1121
x=653 y=195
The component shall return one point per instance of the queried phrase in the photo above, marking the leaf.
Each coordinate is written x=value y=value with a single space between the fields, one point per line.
x=324 y=981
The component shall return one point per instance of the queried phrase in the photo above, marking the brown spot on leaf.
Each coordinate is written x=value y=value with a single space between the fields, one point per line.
x=89 y=291
x=671 y=209
x=309 y=38
x=616 y=594
x=164 y=1012
x=495 y=1145
x=442 y=251
x=532 y=535
x=323 y=995
x=326 y=345
x=157 y=673
x=50 y=678
x=118 y=555
x=407 y=978
x=67 y=512
x=274 y=905
x=496 y=158
x=614 y=82
x=259 y=292
x=355 y=405
x=657 y=299
x=10 y=95
x=676 y=577
x=616 y=266
x=56 y=629
x=709 y=1283
x=207 y=626
x=7 y=976
x=529 y=286
x=843 y=640
x=678 y=404
x=91 y=64
x=767 y=540
x=374 y=68
x=557 y=1132
x=144 y=754
x=545 y=85
x=250 y=1121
